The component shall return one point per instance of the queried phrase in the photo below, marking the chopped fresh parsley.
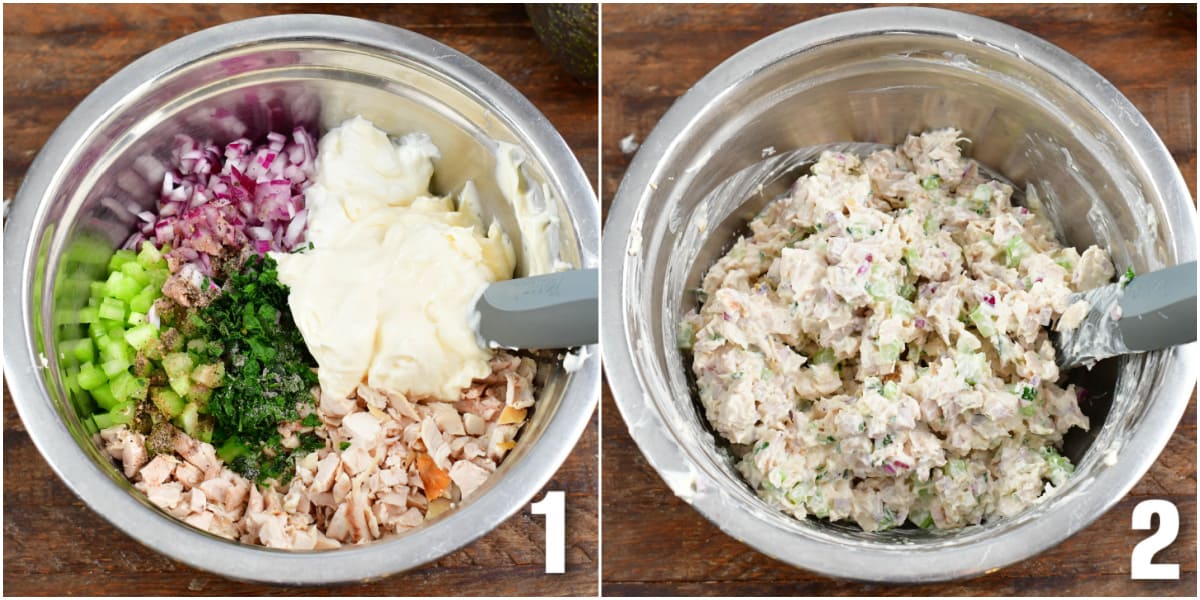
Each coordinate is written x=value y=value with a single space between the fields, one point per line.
x=342 y=446
x=269 y=371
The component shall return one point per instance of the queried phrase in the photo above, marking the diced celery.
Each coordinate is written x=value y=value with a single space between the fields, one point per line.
x=982 y=319
x=119 y=258
x=188 y=419
x=198 y=345
x=891 y=390
x=116 y=329
x=153 y=349
x=104 y=421
x=104 y=397
x=685 y=337
x=91 y=377
x=120 y=286
x=209 y=375
x=932 y=224
x=136 y=318
x=120 y=414
x=113 y=367
x=204 y=429
x=143 y=301
x=824 y=356
x=137 y=336
x=182 y=385
x=199 y=395
x=167 y=401
x=1015 y=251
x=981 y=197
x=956 y=467
x=89 y=314
x=922 y=519
x=231 y=449
x=903 y=308
x=1057 y=461
x=178 y=365
x=141 y=386
x=149 y=257
x=890 y=352
x=97 y=289
x=89 y=425
x=972 y=367
x=112 y=309
x=122 y=385
x=911 y=258
x=135 y=271
x=83 y=350
x=115 y=349
x=879 y=289
x=157 y=278
x=176 y=341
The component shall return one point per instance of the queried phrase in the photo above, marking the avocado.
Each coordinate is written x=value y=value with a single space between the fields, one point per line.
x=571 y=33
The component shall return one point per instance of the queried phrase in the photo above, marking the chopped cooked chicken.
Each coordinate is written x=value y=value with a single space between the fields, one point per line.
x=386 y=457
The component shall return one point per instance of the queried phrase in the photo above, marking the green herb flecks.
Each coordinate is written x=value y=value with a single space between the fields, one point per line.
x=1127 y=277
x=269 y=371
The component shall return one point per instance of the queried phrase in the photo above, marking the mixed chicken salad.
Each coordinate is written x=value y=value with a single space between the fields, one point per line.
x=876 y=348
x=282 y=353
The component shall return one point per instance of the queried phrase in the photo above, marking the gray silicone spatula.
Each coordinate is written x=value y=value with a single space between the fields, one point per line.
x=559 y=310
x=1154 y=311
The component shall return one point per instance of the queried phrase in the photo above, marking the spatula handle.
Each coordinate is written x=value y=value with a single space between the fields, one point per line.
x=1158 y=309
x=558 y=310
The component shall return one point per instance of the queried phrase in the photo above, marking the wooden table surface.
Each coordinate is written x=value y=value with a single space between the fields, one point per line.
x=54 y=55
x=656 y=544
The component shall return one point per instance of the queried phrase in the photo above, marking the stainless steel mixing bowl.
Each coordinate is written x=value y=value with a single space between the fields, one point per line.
x=1033 y=112
x=246 y=78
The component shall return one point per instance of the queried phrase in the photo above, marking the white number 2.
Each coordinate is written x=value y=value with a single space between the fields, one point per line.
x=553 y=506
x=1141 y=565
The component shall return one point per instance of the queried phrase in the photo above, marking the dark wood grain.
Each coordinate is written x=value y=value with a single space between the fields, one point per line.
x=655 y=544
x=54 y=55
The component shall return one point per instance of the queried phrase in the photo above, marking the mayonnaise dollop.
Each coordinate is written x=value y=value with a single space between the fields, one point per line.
x=386 y=293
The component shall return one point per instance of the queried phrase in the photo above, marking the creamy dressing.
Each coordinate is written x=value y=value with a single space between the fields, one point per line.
x=386 y=292
x=534 y=207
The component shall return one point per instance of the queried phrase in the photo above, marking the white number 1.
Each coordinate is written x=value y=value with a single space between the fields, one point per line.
x=1141 y=561
x=553 y=506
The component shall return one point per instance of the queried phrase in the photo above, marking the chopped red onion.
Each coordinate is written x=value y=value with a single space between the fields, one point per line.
x=213 y=199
